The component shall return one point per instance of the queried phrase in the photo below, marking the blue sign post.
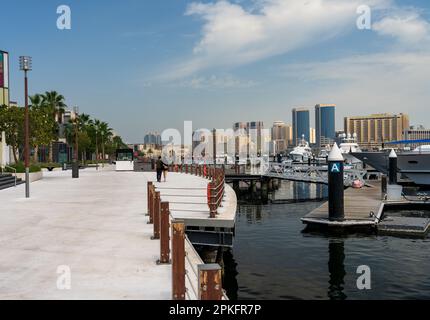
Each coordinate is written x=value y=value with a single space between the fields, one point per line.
x=336 y=185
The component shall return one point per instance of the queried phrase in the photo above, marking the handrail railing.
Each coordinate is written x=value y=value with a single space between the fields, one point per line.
x=9 y=167
x=216 y=185
x=189 y=272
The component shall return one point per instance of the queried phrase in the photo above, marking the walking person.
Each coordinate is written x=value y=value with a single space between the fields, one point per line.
x=159 y=166
x=165 y=170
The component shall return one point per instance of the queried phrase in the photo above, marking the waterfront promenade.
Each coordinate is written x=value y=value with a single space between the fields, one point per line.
x=96 y=225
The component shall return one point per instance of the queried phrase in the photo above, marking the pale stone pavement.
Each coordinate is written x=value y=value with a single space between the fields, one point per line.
x=96 y=225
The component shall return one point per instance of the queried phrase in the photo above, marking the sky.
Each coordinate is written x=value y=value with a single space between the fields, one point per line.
x=153 y=64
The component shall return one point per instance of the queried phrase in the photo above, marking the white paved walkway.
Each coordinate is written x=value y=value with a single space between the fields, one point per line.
x=95 y=225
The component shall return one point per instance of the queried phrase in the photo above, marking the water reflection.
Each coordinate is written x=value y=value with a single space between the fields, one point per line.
x=290 y=191
x=275 y=258
x=336 y=269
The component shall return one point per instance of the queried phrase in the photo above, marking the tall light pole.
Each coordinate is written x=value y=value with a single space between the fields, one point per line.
x=75 y=165
x=97 y=151
x=25 y=65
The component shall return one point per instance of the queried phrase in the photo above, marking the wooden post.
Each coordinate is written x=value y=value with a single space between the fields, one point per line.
x=151 y=204
x=178 y=260
x=212 y=200
x=149 y=188
x=156 y=216
x=164 y=234
x=210 y=286
x=186 y=168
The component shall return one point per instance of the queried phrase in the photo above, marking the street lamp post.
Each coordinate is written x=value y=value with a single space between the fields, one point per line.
x=97 y=152
x=25 y=65
x=75 y=165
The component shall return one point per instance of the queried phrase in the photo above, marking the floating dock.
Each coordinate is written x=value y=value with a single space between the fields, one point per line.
x=417 y=224
x=363 y=207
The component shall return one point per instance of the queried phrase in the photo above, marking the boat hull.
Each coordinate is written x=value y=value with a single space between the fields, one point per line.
x=415 y=166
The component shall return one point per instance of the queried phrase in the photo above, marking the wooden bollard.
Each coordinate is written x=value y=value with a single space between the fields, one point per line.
x=178 y=260
x=164 y=234
x=156 y=216
x=186 y=168
x=151 y=204
x=149 y=188
x=211 y=200
x=210 y=285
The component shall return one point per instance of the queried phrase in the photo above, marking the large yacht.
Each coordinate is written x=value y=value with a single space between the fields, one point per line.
x=348 y=146
x=301 y=153
x=413 y=164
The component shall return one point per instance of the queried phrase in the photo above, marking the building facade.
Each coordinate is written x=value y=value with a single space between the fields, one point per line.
x=153 y=138
x=301 y=125
x=374 y=130
x=325 y=126
x=4 y=78
x=282 y=136
x=250 y=137
x=419 y=133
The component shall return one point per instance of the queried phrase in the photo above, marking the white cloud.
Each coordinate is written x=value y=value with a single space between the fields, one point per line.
x=216 y=82
x=388 y=82
x=408 y=27
x=233 y=35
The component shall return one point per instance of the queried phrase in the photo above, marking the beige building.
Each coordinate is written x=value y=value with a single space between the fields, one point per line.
x=282 y=136
x=312 y=136
x=372 y=131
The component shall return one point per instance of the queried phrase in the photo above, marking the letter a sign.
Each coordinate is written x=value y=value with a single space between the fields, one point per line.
x=335 y=168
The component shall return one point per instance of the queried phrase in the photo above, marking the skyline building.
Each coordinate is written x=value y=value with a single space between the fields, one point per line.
x=301 y=125
x=282 y=136
x=152 y=138
x=325 y=124
x=4 y=78
x=372 y=131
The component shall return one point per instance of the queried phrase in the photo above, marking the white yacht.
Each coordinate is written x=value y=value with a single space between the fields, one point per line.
x=323 y=154
x=301 y=153
x=349 y=145
x=413 y=164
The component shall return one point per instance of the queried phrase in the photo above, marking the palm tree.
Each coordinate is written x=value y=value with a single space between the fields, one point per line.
x=106 y=133
x=95 y=124
x=36 y=101
x=56 y=106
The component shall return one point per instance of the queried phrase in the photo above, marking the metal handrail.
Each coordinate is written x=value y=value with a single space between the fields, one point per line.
x=9 y=167
x=216 y=177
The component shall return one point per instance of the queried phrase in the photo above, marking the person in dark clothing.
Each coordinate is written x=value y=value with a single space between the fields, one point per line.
x=159 y=166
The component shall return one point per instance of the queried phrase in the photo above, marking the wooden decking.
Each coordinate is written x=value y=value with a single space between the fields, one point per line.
x=359 y=204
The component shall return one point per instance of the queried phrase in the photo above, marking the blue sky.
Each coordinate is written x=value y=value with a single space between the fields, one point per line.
x=150 y=65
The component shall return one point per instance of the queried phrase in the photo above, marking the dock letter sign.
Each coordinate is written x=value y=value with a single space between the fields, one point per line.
x=335 y=168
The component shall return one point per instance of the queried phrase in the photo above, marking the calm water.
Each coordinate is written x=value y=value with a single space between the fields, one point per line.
x=273 y=258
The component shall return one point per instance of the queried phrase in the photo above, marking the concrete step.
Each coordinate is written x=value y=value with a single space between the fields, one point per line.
x=9 y=181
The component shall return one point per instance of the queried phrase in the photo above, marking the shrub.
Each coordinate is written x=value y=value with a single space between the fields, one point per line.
x=20 y=168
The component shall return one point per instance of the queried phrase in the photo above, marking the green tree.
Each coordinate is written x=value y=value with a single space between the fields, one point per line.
x=106 y=134
x=12 y=123
x=41 y=128
x=55 y=103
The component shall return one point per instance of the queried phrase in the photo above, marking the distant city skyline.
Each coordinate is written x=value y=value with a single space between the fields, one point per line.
x=151 y=65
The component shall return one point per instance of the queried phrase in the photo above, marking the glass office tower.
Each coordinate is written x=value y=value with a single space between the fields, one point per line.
x=301 y=125
x=325 y=127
